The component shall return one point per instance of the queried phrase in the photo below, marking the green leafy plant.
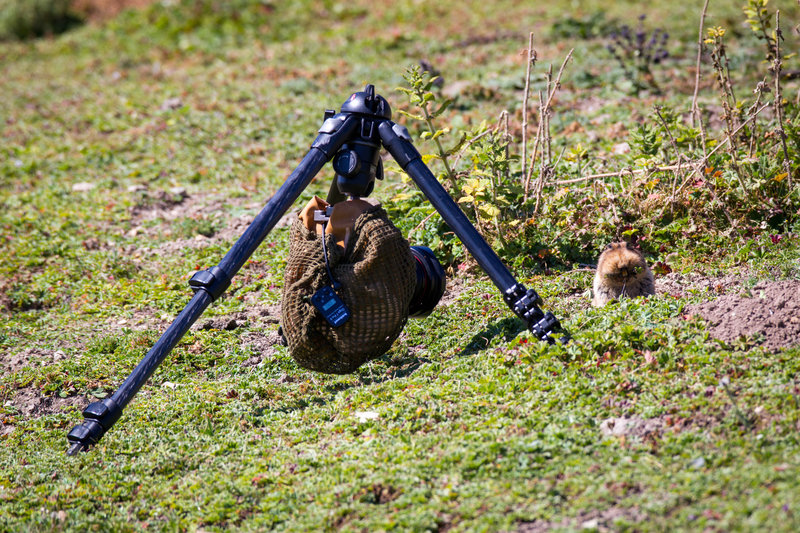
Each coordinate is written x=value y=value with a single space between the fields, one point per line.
x=421 y=96
x=488 y=187
x=759 y=19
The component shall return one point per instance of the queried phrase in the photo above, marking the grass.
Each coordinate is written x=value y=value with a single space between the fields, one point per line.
x=184 y=121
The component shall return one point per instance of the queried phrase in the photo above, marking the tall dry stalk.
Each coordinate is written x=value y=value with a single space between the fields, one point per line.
x=697 y=118
x=776 y=70
x=543 y=137
x=529 y=66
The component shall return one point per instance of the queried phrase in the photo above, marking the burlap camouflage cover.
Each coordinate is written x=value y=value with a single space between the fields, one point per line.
x=378 y=277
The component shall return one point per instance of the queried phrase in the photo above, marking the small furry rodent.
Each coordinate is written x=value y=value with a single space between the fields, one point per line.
x=621 y=269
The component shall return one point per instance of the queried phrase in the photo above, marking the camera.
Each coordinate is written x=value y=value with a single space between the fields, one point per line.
x=431 y=282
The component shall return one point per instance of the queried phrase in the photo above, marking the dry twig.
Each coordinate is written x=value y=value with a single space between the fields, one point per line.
x=776 y=68
x=530 y=63
x=696 y=115
x=543 y=133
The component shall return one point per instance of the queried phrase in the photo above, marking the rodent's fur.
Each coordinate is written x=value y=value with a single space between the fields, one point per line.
x=621 y=269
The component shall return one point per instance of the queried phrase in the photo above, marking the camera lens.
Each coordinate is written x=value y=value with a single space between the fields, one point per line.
x=431 y=282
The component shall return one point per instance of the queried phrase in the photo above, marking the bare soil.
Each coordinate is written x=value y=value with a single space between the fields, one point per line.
x=101 y=10
x=685 y=284
x=767 y=315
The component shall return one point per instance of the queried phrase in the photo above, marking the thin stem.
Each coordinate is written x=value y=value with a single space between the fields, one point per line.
x=696 y=115
x=442 y=154
x=543 y=131
x=507 y=140
x=467 y=144
x=787 y=167
x=695 y=109
x=535 y=147
x=531 y=61
x=759 y=91
x=678 y=171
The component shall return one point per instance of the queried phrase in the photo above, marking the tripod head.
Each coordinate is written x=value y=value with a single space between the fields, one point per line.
x=358 y=162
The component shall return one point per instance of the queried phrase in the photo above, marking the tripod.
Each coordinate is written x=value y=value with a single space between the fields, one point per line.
x=353 y=139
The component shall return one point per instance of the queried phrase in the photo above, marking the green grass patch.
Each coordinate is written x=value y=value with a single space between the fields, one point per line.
x=135 y=151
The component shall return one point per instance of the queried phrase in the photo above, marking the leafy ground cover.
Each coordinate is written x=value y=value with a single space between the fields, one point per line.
x=136 y=149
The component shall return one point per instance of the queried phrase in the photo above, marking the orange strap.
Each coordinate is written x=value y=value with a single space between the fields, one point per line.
x=343 y=217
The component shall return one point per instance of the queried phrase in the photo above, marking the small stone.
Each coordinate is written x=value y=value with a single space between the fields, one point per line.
x=169 y=385
x=171 y=103
x=363 y=416
x=698 y=463
x=615 y=426
x=621 y=148
x=178 y=191
x=83 y=186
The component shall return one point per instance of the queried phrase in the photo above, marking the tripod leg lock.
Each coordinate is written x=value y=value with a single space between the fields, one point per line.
x=331 y=132
x=397 y=141
x=545 y=327
x=214 y=281
x=525 y=304
x=98 y=418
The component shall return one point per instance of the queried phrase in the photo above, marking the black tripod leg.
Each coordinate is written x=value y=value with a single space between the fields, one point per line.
x=210 y=284
x=334 y=195
x=524 y=302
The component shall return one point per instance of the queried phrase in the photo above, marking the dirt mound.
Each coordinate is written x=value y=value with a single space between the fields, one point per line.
x=100 y=10
x=769 y=313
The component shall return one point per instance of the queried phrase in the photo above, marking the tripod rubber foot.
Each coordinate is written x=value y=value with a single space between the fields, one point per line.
x=84 y=435
x=76 y=448
x=98 y=418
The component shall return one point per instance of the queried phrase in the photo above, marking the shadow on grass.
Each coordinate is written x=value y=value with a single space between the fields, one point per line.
x=508 y=327
x=390 y=367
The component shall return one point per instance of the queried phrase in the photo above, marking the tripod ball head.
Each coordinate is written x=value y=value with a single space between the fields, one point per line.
x=366 y=102
x=358 y=162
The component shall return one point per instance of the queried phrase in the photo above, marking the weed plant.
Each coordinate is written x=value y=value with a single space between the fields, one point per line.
x=683 y=181
x=638 y=53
